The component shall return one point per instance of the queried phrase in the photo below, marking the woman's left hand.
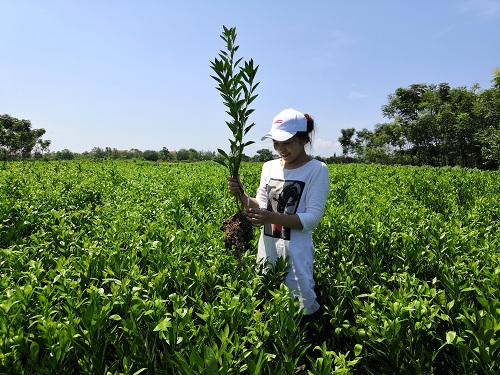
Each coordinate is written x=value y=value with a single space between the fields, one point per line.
x=259 y=216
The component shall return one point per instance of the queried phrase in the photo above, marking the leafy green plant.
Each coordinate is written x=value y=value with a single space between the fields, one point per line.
x=236 y=85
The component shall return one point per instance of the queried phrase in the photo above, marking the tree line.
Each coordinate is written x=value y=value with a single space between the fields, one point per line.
x=434 y=125
x=163 y=155
x=19 y=141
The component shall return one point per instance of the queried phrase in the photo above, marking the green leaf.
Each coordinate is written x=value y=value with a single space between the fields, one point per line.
x=211 y=363
x=484 y=302
x=88 y=316
x=450 y=337
x=34 y=349
x=196 y=361
x=164 y=325
x=223 y=153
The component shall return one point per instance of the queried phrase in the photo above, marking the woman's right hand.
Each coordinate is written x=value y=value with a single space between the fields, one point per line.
x=235 y=186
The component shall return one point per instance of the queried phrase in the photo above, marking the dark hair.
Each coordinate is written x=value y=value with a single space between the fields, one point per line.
x=310 y=128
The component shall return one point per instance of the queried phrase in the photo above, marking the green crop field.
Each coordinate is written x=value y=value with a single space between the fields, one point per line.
x=119 y=268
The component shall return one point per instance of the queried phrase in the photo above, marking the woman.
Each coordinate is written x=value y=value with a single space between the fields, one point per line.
x=289 y=203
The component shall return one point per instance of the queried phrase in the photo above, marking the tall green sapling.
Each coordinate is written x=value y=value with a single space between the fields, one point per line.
x=236 y=85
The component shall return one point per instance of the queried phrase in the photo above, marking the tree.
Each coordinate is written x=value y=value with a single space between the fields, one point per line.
x=491 y=148
x=17 y=138
x=134 y=153
x=437 y=124
x=372 y=146
x=348 y=145
x=165 y=155
x=362 y=142
x=150 y=155
x=64 y=155
x=434 y=125
x=193 y=155
x=207 y=155
x=183 y=154
x=98 y=153
x=41 y=147
x=487 y=110
x=263 y=155
x=116 y=154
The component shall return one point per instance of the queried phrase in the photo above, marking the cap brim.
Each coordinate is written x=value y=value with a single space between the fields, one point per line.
x=278 y=135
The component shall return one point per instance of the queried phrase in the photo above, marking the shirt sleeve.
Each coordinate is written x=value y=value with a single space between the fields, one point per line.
x=316 y=196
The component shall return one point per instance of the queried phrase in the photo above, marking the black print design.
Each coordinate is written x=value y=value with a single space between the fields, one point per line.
x=283 y=196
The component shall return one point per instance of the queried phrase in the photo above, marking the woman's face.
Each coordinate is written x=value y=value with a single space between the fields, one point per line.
x=291 y=151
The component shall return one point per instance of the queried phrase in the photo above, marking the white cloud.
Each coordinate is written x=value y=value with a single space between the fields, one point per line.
x=339 y=38
x=445 y=31
x=357 y=95
x=322 y=143
x=489 y=8
x=325 y=148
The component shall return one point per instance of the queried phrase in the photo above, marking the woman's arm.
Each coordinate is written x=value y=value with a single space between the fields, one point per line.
x=260 y=216
x=316 y=199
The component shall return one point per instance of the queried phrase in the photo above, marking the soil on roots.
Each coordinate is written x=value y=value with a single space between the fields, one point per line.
x=238 y=234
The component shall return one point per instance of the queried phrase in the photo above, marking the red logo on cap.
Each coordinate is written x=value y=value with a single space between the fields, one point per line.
x=278 y=122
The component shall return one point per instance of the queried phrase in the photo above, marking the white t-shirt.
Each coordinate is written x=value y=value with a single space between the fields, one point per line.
x=302 y=191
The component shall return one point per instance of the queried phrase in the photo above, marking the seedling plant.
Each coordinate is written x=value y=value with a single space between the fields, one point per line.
x=236 y=85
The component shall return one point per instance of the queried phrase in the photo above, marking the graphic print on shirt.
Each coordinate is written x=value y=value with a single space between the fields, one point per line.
x=283 y=196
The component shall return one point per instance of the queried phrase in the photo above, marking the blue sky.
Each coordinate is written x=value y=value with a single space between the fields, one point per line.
x=136 y=74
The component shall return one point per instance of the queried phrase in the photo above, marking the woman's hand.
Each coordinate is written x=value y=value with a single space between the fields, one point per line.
x=235 y=186
x=259 y=216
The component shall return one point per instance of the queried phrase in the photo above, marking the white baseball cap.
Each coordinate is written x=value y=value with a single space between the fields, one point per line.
x=286 y=124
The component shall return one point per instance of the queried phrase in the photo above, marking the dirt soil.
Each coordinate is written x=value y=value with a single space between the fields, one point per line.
x=238 y=234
